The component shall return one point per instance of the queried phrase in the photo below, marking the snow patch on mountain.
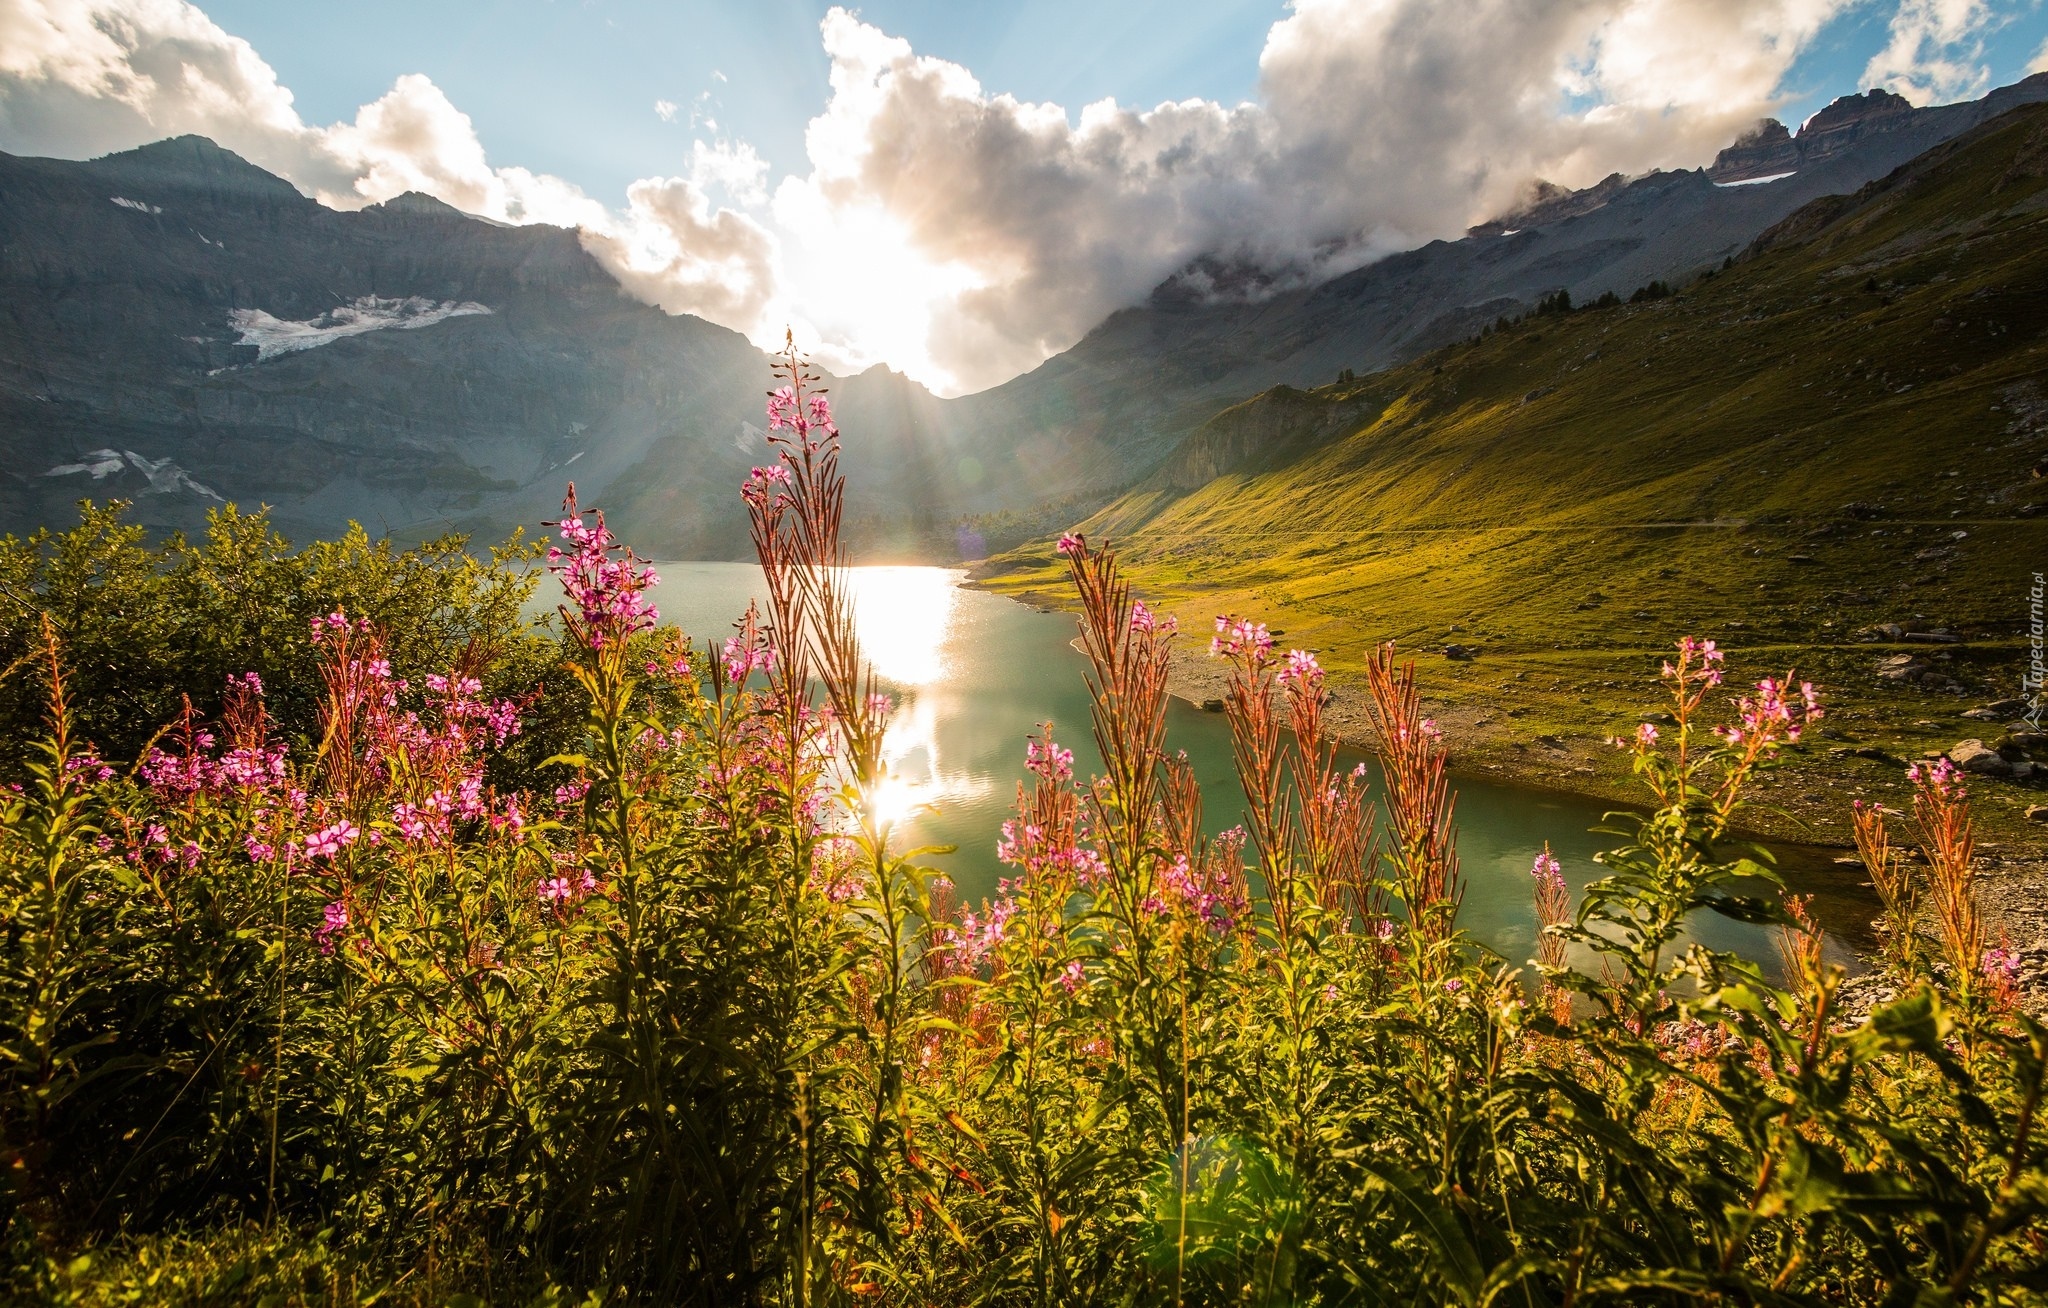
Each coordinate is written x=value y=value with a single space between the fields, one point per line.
x=273 y=336
x=1757 y=181
x=163 y=476
x=136 y=205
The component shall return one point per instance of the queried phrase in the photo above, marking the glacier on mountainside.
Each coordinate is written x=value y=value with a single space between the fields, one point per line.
x=164 y=477
x=273 y=336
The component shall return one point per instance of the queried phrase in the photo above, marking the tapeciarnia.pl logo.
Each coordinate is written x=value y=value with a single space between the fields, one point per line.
x=2037 y=669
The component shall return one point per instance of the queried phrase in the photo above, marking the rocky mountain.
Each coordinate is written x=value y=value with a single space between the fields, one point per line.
x=181 y=328
x=1119 y=402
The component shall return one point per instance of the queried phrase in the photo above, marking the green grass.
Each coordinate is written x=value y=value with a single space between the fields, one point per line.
x=1573 y=493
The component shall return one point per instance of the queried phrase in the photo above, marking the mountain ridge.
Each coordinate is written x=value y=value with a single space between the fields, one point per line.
x=431 y=370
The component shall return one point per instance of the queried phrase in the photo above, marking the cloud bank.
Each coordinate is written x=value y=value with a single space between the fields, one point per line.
x=963 y=235
x=84 y=77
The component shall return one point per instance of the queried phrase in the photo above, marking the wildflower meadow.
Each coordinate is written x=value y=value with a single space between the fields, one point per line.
x=443 y=958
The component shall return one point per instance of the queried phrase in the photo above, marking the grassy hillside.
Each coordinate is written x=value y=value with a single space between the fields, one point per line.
x=1845 y=429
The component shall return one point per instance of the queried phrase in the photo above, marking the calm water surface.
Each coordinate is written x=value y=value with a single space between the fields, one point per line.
x=974 y=674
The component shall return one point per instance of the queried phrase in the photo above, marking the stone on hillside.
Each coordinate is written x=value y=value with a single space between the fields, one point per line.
x=2006 y=708
x=1939 y=636
x=1900 y=667
x=1212 y=706
x=1881 y=631
x=2027 y=739
x=1461 y=653
x=1982 y=715
x=2037 y=813
x=1975 y=756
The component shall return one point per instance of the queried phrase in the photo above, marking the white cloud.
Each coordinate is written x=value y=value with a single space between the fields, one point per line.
x=2040 y=63
x=1380 y=123
x=733 y=167
x=1935 y=51
x=84 y=77
x=665 y=110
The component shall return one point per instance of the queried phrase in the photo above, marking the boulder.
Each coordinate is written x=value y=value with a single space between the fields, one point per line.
x=1461 y=653
x=1212 y=706
x=2037 y=813
x=1975 y=756
x=1900 y=667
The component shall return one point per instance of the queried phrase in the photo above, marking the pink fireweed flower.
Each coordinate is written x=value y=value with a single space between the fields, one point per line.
x=782 y=409
x=1301 y=666
x=1049 y=760
x=764 y=486
x=1072 y=543
x=258 y=851
x=1942 y=777
x=1071 y=976
x=1146 y=621
x=1548 y=870
x=333 y=921
x=1646 y=736
x=742 y=659
x=609 y=593
x=562 y=890
x=1771 y=714
x=510 y=819
x=2002 y=965
x=329 y=841
x=1236 y=636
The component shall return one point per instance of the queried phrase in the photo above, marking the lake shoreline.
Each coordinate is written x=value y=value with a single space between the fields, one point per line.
x=2012 y=889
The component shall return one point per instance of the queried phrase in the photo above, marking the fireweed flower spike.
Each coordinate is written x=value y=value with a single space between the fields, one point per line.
x=603 y=580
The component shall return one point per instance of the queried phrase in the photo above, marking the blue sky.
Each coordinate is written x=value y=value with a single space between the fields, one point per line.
x=569 y=86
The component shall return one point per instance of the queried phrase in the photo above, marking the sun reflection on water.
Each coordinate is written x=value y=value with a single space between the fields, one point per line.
x=902 y=617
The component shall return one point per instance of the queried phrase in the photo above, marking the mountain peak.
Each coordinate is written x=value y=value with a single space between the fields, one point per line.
x=1846 y=109
x=193 y=160
x=420 y=204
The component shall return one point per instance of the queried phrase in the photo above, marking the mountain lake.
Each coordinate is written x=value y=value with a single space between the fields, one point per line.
x=974 y=674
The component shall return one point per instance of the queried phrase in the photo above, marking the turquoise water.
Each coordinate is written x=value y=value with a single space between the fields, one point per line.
x=974 y=674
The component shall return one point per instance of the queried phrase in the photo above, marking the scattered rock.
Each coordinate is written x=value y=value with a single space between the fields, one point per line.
x=2023 y=770
x=1799 y=558
x=1660 y=719
x=1551 y=741
x=1212 y=706
x=1900 y=667
x=1936 y=637
x=1872 y=752
x=1882 y=631
x=1982 y=715
x=2004 y=709
x=2028 y=739
x=1461 y=653
x=1975 y=756
x=1859 y=509
x=2037 y=812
